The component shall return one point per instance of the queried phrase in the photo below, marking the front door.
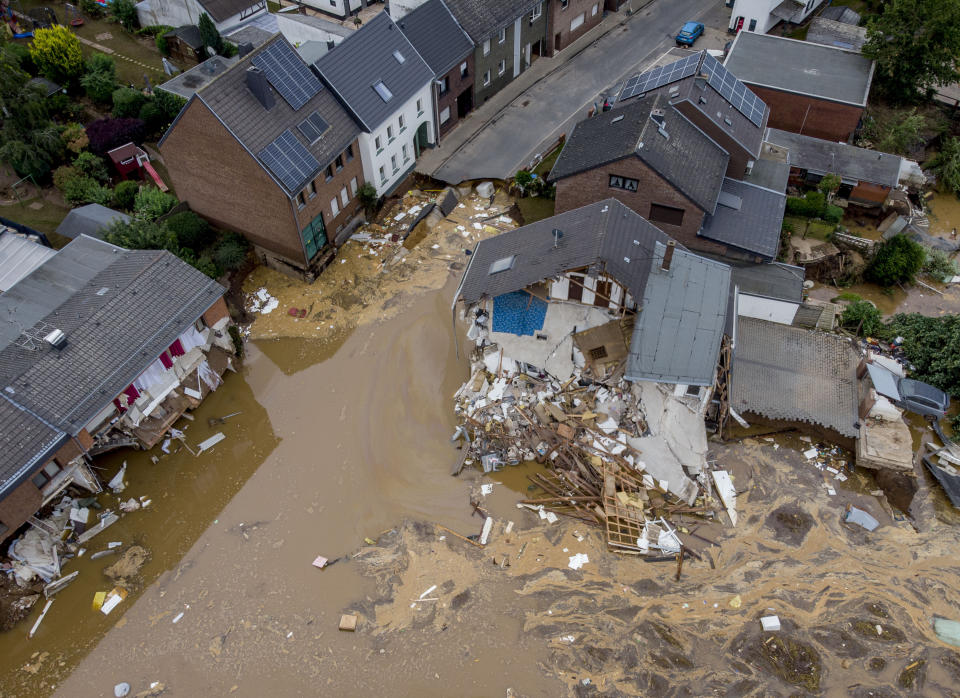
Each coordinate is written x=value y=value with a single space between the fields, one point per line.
x=602 y=295
x=420 y=139
x=464 y=103
x=314 y=237
x=576 y=287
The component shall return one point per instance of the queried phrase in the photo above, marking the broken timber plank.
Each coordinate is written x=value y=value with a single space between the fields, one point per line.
x=59 y=584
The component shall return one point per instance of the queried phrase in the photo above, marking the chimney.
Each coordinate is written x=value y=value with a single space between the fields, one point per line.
x=258 y=85
x=244 y=48
x=668 y=255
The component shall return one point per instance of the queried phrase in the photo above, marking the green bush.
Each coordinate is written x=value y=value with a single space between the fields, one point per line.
x=946 y=165
x=810 y=206
x=86 y=190
x=127 y=102
x=92 y=9
x=140 y=234
x=154 y=30
x=230 y=254
x=90 y=165
x=170 y=104
x=125 y=12
x=896 y=261
x=864 y=318
x=64 y=174
x=125 y=193
x=150 y=203
x=161 y=42
x=191 y=231
x=932 y=346
x=100 y=79
x=367 y=194
x=21 y=52
x=939 y=264
x=832 y=214
x=152 y=117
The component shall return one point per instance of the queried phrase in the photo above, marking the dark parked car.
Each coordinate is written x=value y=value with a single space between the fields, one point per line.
x=909 y=394
x=689 y=33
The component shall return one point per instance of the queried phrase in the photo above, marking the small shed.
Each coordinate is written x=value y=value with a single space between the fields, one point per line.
x=184 y=44
x=91 y=220
x=128 y=160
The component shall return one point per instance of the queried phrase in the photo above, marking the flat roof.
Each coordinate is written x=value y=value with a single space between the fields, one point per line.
x=801 y=67
x=186 y=84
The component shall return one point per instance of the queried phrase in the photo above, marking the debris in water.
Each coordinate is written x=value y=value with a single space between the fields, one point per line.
x=121 y=689
x=210 y=443
x=770 y=623
x=320 y=562
x=947 y=630
x=262 y=302
x=348 y=622
x=860 y=517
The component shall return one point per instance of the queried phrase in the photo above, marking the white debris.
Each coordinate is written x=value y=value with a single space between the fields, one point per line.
x=262 y=302
x=486 y=489
x=577 y=561
x=770 y=623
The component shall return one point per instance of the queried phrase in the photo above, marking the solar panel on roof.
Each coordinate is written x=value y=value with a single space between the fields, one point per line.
x=734 y=91
x=660 y=76
x=287 y=73
x=313 y=127
x=289 y=160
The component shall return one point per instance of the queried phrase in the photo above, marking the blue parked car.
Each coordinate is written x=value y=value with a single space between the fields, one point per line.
x=689 y=33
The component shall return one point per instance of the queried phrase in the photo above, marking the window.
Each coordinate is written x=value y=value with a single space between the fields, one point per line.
x=486 y=78
x=593 y=12
x=339 y=162
x=349 y=152
x=502 y=36
x=381 y=89
x=401 y=123
x=753 y=25
x=625 y=183
x=334 y=207
x=353 y=186
x=563 y=4
x=463 y=69
x=312 y=190
x=537 y=11
x=389 y=134
x=419 y=107
x=692 y=391
x=328 y=175
x=406 y=155
x=445 y=115
x=501 y=67
x=444 y=85
x=301 y=201
x=393 y=162
x=598 y=353
x=399 y=56
x=665 y=214
x=578 y=21
x=383 y=175
x=502 y=264
x=377 y=142
x=486 y=47
x=344 y=197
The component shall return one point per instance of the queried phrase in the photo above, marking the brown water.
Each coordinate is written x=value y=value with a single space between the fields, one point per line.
x=944 y=214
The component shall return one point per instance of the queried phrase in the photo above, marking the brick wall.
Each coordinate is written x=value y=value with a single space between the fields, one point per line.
x=18 y=506
x=456 y=85
x=216 y=312
x=817 y=117
x=327 y=189
x=559 y=35
x=594 y=185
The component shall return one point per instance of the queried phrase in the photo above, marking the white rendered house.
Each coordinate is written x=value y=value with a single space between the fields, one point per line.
x=761 y=15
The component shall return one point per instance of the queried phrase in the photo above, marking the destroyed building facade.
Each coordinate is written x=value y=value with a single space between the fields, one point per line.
x=100 y=347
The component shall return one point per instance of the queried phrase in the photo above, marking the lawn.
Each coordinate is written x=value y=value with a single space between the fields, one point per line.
x=804 y=228
x=535 y=208
x=543 y=169
x=39 y=214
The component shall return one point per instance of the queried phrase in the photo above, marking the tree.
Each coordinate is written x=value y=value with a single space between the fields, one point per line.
x=862 y=317
x=100 y=79
x=57 y=53
x=916 y=44
x=125 y=193
x=939 y=264
x=932 y=345
x=896 y=261
x=106 y=134
x=139 y=234
x=151 y=203
x=208 y=33
x=898 y=136
x=127 y=102
x=828 y=186
x=946 y=165
x=74 y=137
x=92 y=166
x=192 y=231
x=125 y=12
x=367 y=194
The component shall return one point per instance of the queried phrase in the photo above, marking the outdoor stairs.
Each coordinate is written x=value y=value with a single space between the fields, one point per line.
x=114 y=443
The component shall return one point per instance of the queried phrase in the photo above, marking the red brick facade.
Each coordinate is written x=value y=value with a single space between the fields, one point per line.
x=222 y=182
x=810 y=116
x=594 y=185
x=216 y=312
x=559 y=35
x=458 y=95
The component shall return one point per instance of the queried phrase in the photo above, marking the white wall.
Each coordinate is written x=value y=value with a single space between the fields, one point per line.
x=338 y=8
x=770 y=309
x=560 y=290
x=399 y=8
x=176 y=13
x=760 y=11
x=298 y=33
x=373 y=161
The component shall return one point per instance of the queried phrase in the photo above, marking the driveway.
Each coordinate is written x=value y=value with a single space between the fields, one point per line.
x=505 y=134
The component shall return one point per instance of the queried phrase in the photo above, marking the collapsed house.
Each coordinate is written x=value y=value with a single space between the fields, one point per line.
x=100 y=347
x=597 y=340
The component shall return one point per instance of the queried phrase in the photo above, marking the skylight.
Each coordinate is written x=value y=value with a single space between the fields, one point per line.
x=385 y=94
x=399 y=57
x=502 y=264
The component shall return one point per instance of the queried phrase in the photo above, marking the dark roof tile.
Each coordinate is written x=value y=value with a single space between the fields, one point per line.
x=437 y=36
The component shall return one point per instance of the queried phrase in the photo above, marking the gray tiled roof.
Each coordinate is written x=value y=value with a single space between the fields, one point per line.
x=437 y=36
x=686 y=157
x=773 y=280
x=26 y=441
x=676 y=337
x=357 y=63
x=482 y=18
x=796 y=375
x=840 y=13
x=748 y=217
x=119 y=310
x=255 y=127
x=848 y=161
x=221 y=10
x=90 y=220
x=801 y=67
x=700 y=95
x=605 y=231
x=831 y=33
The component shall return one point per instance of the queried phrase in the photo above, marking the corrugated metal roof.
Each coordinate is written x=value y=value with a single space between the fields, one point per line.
x=753 y=225
x=18 y=257
x=362 y=60
x=437 y=36
x=840 y=34
x=801 y=67
x=796 y=375
x=848 y=161
x=677 y=334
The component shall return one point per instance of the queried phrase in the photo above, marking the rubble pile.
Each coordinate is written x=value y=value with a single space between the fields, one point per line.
x=588 y=432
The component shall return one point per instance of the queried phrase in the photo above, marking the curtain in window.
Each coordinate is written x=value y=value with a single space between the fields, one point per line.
x=176 y=349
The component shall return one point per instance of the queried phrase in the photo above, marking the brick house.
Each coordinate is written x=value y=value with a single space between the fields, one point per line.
x=509 y=35
x=267 y=151
x=569 y=20
x=448 y=50
x=812 y=89
x=653 y=159
x=94 y=345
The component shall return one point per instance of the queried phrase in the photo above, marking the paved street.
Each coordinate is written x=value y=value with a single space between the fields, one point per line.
x=507 y=131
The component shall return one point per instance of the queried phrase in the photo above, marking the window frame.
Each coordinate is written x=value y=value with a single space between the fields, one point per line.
x=622 y=183
x=663 y=213
x=486 y=47
x=502 y=36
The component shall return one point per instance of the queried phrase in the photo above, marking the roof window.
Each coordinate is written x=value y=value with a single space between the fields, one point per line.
x=385 y=94
x=502 y=264
x=399 y=57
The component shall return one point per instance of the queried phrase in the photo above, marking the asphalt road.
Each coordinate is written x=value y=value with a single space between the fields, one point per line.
x=510 y=135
